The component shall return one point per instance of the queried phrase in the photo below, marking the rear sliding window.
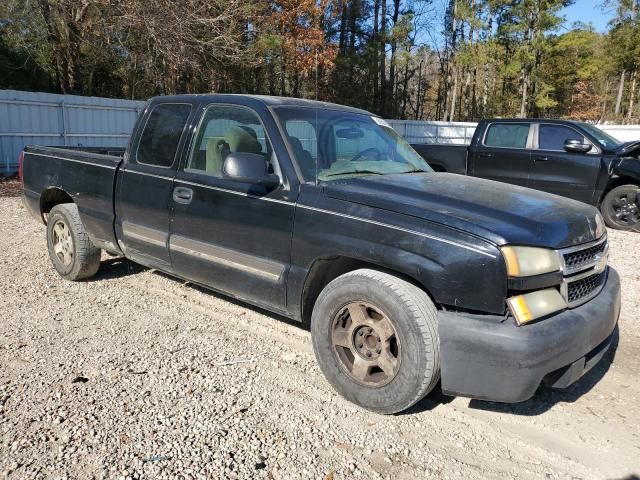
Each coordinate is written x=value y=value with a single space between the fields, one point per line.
x=161 y=134
x=507 y=135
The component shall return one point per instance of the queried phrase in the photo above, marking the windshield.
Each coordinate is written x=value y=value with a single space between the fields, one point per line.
x=604 y=139
x=333 y=144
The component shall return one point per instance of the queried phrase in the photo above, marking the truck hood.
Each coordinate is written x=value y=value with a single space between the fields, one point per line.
x=498 y=212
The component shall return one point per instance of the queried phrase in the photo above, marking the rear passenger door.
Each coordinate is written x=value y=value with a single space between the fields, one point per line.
x=228 y=235
x=503 y=153
x=570 y=174
x=145 y=184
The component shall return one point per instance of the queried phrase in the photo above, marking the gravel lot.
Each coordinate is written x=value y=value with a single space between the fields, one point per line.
x=137 y=375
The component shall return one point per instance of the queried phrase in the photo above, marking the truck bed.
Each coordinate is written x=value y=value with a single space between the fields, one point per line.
x=88 y=177
x=444 y=158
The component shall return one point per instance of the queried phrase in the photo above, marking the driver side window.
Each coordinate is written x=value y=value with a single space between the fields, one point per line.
x=225 y=129
x=553 y=137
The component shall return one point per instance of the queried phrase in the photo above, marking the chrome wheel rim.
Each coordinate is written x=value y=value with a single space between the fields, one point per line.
x=63 y=243
x=366 y=344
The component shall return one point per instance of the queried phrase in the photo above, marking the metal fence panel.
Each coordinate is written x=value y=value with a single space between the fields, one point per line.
x=417 y=131
x=31 y=118
x=624 y=133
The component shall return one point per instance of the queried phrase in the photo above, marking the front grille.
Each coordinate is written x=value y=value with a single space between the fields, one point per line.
x=577 y=260
x=584 y=288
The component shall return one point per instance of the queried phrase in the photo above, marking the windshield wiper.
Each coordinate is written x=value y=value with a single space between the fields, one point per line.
x=367 y=172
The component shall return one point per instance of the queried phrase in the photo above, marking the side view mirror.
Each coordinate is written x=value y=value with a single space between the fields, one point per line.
x=249 y=168
x=577 y=146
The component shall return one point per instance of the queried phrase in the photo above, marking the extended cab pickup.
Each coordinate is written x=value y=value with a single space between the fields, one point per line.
x=573 y=159
x=322 y=213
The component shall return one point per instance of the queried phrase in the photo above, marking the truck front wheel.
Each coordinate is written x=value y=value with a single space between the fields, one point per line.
x=375 y=337
x=620 y=208
x=73 y=254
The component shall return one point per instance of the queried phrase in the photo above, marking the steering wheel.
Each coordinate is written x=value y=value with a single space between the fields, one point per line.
x=365 y=153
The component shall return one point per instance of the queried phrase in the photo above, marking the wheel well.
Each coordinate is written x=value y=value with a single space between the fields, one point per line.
x=52 y=197
x=437 y=168
x=616 y=182
x=325 y=270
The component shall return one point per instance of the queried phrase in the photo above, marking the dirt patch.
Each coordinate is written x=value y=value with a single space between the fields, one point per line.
x=10 y=187
x=136 y=375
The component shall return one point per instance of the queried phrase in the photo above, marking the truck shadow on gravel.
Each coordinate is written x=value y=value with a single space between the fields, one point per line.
x=119 y=267
x=116 y=267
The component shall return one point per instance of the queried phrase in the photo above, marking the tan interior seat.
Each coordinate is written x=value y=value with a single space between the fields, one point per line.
x=214 y=157
x=240 y=139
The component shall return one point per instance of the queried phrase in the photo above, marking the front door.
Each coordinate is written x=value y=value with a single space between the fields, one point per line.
x=570 y=174
x=231 y=236
x=503 y=154
x=145 y=185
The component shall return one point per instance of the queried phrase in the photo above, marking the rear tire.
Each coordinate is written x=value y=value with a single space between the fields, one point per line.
x=73 y=254
x=375 y=337
x=620 y=209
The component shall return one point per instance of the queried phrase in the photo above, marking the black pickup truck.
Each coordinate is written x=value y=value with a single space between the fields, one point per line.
x=573 y=159
x=323 y=214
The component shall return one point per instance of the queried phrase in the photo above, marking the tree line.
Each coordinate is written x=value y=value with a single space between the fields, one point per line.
x=398 y=58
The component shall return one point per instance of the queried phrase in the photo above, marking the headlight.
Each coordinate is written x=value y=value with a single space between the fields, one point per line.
x=528 y=261
x=534 y=305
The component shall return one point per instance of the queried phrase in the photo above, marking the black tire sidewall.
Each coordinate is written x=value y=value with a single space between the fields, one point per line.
x=56 y=215
x=401 y=391
x=606 y=208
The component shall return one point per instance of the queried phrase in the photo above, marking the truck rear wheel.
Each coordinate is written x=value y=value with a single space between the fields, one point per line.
x=620 y=209
x=73 y=254
x=375 y=337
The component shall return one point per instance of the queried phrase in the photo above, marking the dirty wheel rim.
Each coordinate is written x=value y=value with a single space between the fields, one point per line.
x=366 y=344
x=624 y=209
x=63 y=243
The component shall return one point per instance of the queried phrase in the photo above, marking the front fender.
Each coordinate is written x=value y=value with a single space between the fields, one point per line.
x=628 y=167
x=457 y=269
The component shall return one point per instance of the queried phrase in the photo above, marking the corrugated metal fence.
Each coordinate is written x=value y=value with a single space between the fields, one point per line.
x=417 y=131
x=421 y=131
x=28 y=118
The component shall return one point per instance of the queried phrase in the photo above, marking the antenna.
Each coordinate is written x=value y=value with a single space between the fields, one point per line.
x=316 y=73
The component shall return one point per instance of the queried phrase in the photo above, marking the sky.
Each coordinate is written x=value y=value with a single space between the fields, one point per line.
x=588 y=11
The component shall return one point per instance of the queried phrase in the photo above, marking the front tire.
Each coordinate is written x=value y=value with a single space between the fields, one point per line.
x=375 y=337
x=620 y=209
x=73 y=254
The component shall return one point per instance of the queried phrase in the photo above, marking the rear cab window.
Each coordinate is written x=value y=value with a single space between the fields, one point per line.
x=161 y=134
x=507 y=135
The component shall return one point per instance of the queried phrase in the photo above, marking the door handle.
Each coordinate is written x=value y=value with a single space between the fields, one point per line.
x=540 y=159
x=182 y=195
x=486 y=155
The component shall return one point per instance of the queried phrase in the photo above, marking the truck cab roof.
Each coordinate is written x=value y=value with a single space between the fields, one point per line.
x=267 y=100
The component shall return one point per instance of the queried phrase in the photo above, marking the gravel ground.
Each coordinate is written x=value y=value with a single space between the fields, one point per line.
x=137 y=375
